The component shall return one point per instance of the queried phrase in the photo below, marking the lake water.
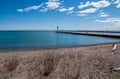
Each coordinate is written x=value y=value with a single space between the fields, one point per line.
x=11 y=39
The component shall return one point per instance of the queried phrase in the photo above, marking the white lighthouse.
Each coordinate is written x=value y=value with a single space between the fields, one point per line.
x=57 y=28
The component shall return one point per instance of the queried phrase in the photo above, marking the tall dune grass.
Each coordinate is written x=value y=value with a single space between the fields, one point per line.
x=93 y=62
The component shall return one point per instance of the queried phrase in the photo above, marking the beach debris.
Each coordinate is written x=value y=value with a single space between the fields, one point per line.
x=116 y=69
x=114 y=47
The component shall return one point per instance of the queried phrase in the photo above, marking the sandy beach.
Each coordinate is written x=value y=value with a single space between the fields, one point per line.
x=87 y=62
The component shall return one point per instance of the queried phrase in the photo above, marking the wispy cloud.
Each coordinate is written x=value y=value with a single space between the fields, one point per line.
x=117 y=3
x=96 y=6
x=102 y=14
x=20 y=10
x=83 y=9
x=99 y=4
x=49 y=5
x=81 y=14
x=68 y=10
x=84 y=5
x=30 y=8
x=86 y=11
x=53 y=4
x=118 y=6
x=63 y=10
x=109 y=20
x=114 y=21
x=43 y=7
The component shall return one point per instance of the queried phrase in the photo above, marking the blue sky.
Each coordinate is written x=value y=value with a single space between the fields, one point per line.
x=67 y=14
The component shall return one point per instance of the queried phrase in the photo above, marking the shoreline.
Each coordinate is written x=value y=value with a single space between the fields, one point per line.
x=49 y=47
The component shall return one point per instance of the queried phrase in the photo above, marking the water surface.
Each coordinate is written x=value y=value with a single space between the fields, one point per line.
x=11 y=39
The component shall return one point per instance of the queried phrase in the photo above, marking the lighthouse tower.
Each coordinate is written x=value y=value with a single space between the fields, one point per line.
x=57 y=28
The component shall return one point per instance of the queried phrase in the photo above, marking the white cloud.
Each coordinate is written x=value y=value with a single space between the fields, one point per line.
x=44 y=9
x=53 y=4
x=103 y=14
x=84 y=5
x=69 y=12
x=90 y=10
x=32 y=8
x=115 y=22
x=117 y=3
x=99 y=4
x=109 y=20
x=81 y=14
x=58 y=6
x=96 y=6
x=20 y=10
x=70 y=8
x=54 y=0
x=65 y=9
x=50 y=4
x=62 y=9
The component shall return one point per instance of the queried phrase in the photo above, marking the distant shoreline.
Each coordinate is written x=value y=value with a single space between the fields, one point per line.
x=49 y=47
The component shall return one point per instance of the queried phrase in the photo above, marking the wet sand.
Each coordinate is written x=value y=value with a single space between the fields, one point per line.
x=87 y=62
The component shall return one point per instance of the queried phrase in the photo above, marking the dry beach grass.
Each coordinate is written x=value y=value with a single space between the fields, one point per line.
x=90 y=62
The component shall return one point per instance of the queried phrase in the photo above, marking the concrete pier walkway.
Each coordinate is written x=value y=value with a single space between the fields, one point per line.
x=102 y=34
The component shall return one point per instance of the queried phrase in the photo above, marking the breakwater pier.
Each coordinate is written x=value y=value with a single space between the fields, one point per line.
x=93 y=33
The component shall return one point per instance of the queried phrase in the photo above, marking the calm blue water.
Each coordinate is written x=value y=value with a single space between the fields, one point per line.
x=11 y=39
